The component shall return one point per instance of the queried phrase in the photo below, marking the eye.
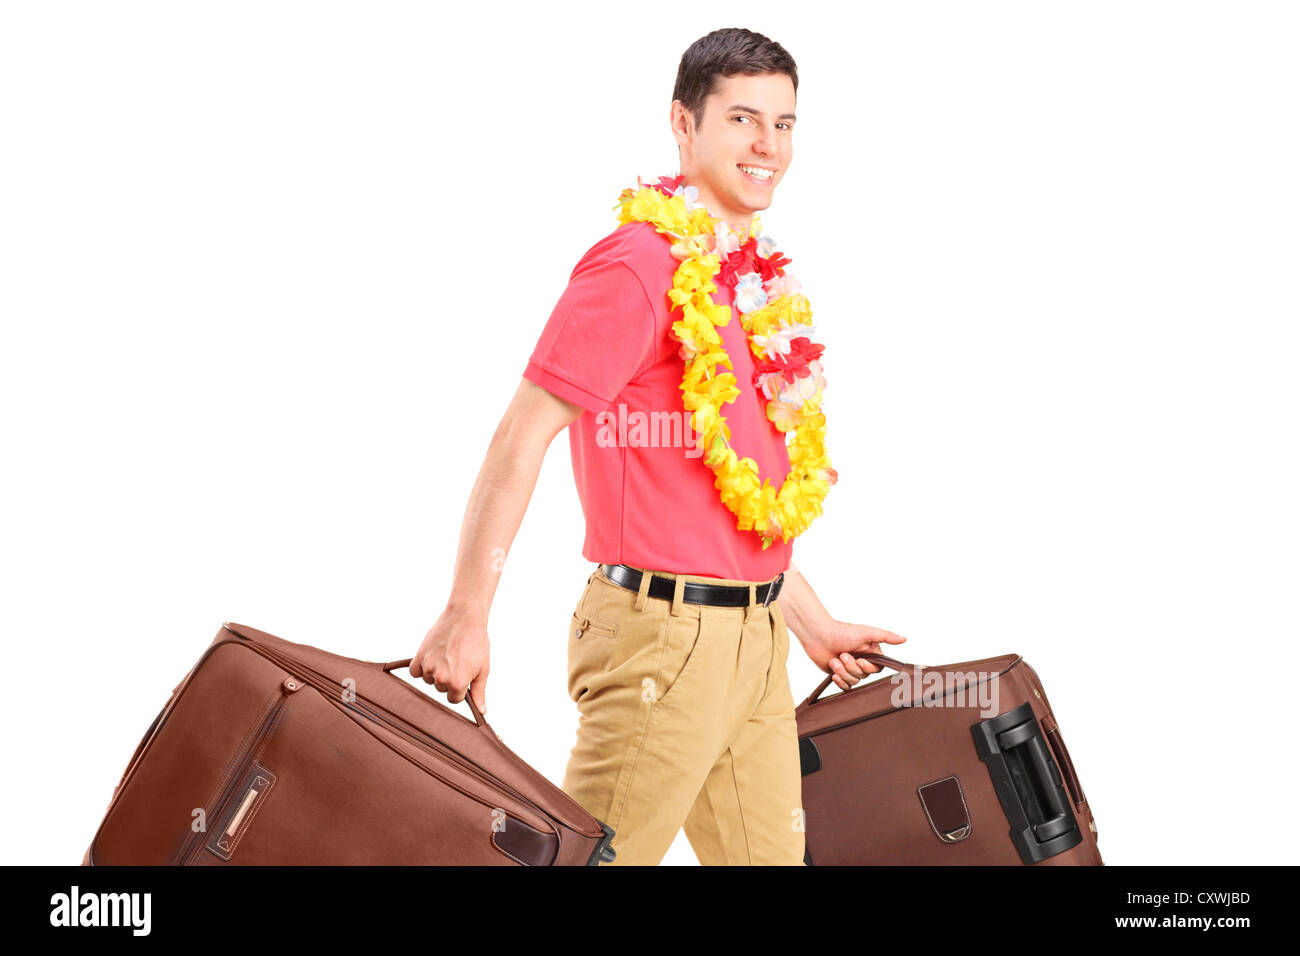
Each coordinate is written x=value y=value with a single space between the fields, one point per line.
x=747 y=119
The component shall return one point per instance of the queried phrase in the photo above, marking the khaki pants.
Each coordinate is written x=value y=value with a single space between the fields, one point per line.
x=685 y=719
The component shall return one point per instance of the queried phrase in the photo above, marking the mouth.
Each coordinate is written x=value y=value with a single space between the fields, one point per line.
x=758 y=175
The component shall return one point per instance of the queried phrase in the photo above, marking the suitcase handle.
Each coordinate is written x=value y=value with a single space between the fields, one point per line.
x=878 y=659
x=478 y=717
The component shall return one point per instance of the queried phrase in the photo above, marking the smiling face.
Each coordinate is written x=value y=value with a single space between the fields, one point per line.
x=747 y=127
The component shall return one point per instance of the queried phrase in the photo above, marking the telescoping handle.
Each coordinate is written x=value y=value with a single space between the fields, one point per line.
x=880 y=660
x=1028 y=784
x=478 y=717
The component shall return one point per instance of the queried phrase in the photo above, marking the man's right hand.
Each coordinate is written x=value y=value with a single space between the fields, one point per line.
x=454 y=656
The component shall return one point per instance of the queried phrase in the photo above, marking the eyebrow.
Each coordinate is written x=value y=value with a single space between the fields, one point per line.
x=750 y=109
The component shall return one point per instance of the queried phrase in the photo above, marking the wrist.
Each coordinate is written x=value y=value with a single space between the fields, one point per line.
x=466 y=609
x=808 y=628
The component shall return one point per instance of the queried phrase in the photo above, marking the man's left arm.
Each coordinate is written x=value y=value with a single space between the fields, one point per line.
x=834 y=646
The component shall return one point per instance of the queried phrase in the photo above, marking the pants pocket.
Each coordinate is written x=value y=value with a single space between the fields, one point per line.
x=591 y=652
x=684 y=647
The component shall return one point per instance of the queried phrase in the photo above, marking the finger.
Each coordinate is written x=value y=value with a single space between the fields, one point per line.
x=864 y=665
x=478 y=690
x=416 y=666
x=850 y=664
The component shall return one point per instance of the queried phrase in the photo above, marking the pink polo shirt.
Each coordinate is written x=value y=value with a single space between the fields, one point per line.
x=649 y=499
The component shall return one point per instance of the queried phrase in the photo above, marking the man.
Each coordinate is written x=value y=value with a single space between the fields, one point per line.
x=678 y=645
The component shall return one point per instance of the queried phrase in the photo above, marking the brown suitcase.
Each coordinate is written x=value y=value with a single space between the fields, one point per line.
x=270 y=752
x=961 y=764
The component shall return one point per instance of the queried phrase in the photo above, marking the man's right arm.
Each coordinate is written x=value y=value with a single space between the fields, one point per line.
x=454 y=652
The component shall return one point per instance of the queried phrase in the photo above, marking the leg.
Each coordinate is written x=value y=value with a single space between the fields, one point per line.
x=750 y=810
x=642 y=673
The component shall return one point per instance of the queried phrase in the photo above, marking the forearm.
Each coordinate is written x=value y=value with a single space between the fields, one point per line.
x=802 y=609
x=493 y=515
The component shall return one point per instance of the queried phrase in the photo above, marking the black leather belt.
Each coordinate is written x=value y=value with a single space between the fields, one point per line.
x=719 y=595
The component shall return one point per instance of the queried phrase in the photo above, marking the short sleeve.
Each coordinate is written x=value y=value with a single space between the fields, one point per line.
x=598 y=337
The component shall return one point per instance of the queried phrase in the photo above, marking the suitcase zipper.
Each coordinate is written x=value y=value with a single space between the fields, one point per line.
x=248 y=755
x=426 y=741
x=523 y=765
x=431 y=743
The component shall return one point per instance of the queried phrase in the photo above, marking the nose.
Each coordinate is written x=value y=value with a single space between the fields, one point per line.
x=765 y=142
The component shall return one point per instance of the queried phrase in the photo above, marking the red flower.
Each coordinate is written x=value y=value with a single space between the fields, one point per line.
x=746 y=259
x=763 y=368
x=793 y=366
x=667 y=185
x=773 y=267
x=803 y=352
x=741 y=261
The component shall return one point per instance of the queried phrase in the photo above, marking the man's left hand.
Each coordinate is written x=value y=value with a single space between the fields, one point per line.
x=837 y=647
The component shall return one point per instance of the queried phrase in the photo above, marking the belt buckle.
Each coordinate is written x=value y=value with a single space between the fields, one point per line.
x=772 y=587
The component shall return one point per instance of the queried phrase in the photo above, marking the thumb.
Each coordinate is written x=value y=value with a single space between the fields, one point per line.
x=889 y=637
x=478 y=691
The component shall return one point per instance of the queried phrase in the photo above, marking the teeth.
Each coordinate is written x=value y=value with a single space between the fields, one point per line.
x=755 y=171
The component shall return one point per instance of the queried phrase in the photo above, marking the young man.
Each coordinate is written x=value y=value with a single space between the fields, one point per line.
x=678 y=644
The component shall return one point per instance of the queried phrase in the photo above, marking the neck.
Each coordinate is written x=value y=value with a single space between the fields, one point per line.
x=741 y=222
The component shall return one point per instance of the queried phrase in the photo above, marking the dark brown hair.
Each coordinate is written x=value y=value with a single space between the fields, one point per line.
x=727 y=52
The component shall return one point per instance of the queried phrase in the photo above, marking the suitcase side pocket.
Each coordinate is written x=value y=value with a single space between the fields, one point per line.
x=1053 y=734
x=225 y=808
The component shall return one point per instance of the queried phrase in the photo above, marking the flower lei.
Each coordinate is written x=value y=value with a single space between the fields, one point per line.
x=776 y=318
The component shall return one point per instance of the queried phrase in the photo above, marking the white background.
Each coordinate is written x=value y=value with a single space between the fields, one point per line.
x=271 y=273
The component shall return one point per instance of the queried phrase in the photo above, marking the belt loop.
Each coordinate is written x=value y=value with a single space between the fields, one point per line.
x=643 y=590
x=772 y=587
x=753 y=602
x=678 y=588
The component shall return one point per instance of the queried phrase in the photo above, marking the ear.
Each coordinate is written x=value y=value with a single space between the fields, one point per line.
x=679 y=119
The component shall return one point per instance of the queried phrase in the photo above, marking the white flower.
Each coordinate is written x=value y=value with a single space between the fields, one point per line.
x=778 y=343
x=771 y=383
x=690 y=196
x=801 y=389
x=728 y=238
x=778 y=286
x=749 y=292
x=817 y=375
x=766 y=246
